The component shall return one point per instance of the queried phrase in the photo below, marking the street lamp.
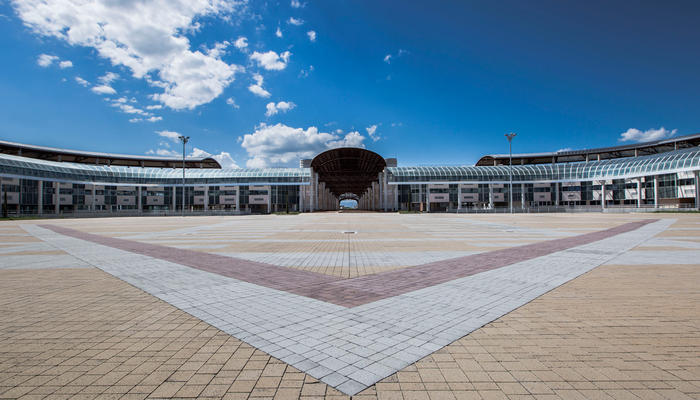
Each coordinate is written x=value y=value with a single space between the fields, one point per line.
x=184 y=139
x=510 y=137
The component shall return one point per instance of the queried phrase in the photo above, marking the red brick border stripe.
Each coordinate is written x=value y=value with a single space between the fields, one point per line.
x=268 y=275
x=355 y=291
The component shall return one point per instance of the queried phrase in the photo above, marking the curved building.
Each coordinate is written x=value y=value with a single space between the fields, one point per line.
x=40 y=180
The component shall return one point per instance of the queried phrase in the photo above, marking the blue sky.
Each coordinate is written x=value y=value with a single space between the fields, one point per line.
x=266 y=83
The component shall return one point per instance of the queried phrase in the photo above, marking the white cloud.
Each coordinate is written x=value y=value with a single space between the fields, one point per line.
x=372 y=132
x=145 y=36
x=297 y=4
x=154 y=119
x=103 y=89
x=232 y=102
x=271 y=60
x=82 y=82
x=635 y=135
x=295 y=21
x=45 y=60
x=257 y=88
x=281 y=144
x=282 y=106
x=154 y=107
x=108 y=78
x=65 y=64
x=311 y=35
x=128 y=108
x=241 y=43
x=278 y=32
x=219 y=49
x=564 y=149
x=224 y=158
x=164 y=152
x=171 y=135
x=387 y=58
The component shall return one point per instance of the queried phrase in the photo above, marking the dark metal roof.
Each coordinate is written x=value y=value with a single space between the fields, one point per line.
x=603 y=153
x=86 y=157
x=348 y=169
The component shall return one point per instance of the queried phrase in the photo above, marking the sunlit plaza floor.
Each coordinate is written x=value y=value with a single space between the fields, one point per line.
x=412 y=306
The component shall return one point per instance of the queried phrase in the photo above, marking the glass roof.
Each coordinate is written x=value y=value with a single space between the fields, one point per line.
x=105 y=174
x=675 y=161
x=663 y=163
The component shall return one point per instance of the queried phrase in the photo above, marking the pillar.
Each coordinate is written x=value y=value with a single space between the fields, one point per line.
x=556 y=188
x=602 y=194
x=269 y=200
x=93 y=197
x=420 y=197
x=300 y=200
x=206 y=198
x=656 y=192
x=396 y=197
x=427 y=198
x=40 y=198
x=139 y=201
x=522 y=196
x=490 y=196
x=58 y=197
x=238 y=199
x=697 y=190
x=459 y=197
x=174 y=199
x=639 y=192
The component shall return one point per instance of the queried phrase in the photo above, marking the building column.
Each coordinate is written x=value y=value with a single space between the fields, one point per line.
x=269 y=200
x=206 y=198
x=238 y=199
x=93 y=197
x=602 y=194
x=40 y=199
x=427 y=198
x=459 y=197
x=522 y=196
x=556 y=188
x=420 y=197
x=174 y=199
x=58 y=197
x=300 y=199
x=490 y=196
x=656 y=192
x=697 y=190
x=396 y=197
x=639 y=192
x=139 y=201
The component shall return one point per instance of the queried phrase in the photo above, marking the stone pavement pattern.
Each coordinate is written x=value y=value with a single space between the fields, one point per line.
x=438 y=381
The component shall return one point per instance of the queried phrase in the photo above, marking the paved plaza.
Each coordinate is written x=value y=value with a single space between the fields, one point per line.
x=373 y=305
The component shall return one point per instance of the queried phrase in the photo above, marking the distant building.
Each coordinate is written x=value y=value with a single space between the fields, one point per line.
x=43 y=180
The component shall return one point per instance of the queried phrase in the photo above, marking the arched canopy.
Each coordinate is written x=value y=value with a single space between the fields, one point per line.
x=349 y=196
x=348 y=169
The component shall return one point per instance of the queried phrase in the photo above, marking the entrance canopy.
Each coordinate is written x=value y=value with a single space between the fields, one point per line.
x=348 y=169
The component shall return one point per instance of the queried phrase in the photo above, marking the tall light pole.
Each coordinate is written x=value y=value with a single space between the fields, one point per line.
x=184 y=139
x=510 y=137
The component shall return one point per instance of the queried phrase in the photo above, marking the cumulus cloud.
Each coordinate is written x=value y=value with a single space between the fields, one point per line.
x=635 y=135
x=45 y=60
x=103 y=89
x=149 y=37
x=65 y=64
x=372 y=132
x=170 y=135
x=281 y=144
x=282 y=106
x=387 y=58
x=154 y=107
x=224 y=158
x=311 y=35
x=295 y=21
x=271 y=60
x=230 y=101
x=297 y=4
x=278 y=32
x=257 y=88
x=241 y=43
x=82 y=82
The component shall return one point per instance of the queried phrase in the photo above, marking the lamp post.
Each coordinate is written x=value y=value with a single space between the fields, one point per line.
x=510 y=137
x=184 y=139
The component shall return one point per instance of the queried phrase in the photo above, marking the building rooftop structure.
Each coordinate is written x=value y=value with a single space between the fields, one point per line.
x=597 y=154
x=109 y=159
